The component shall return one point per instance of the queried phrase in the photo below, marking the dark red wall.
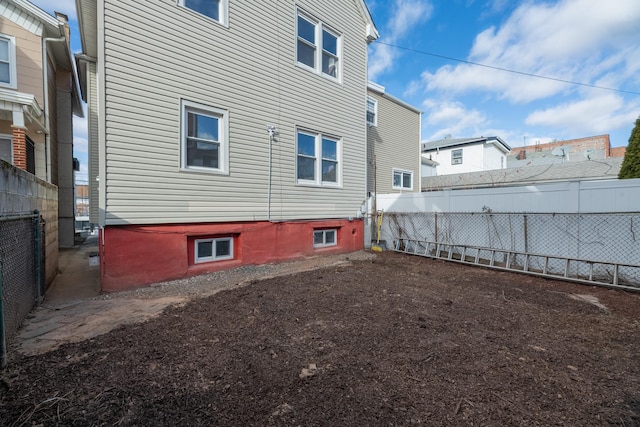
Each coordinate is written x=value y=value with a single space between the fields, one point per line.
x=136 y=255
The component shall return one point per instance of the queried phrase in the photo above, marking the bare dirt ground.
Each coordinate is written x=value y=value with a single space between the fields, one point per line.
x=396 y=340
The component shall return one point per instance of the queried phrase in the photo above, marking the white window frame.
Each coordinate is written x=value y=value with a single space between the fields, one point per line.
x=223 y=136
x=402 y=172
x=324 y=232
x=198 y=260
x=10 y=139
x=223 y=13
x=317 y=181
x=13 y=80
x=456 y=160
x=319 y=27
x=373 y=111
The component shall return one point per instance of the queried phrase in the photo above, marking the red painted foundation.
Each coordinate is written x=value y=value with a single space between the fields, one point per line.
x=133 y=256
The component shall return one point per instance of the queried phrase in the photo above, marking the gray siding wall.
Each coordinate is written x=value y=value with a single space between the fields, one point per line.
x=92 y=129
x=248 y=69
x=395 y=142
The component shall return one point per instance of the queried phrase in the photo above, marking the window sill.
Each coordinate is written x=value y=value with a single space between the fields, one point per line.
x=8 y=86
x=204 y=171
x=318 y=73
x=316 y=185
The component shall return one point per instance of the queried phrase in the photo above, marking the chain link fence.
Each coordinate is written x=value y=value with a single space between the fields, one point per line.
x=584 y=246
x=22 y=278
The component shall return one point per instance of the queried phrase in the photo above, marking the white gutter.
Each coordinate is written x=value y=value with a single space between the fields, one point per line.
x=45 y=78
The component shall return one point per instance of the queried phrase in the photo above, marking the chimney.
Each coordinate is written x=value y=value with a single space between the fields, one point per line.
x=522 y=155
x=65 y=20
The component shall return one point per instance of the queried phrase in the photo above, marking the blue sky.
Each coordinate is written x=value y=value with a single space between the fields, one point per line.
x=593 y=42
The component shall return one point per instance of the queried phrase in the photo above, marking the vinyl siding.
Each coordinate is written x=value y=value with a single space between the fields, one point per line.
x=395 y=142
x=248 y=69
x=92 y=133
x=28 y=58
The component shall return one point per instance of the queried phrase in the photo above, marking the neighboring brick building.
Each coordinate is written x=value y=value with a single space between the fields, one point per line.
x=571 y=150
x=82 y=200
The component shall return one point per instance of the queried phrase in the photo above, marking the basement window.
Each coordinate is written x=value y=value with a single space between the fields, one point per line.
x=214 y=249
x=324 y=238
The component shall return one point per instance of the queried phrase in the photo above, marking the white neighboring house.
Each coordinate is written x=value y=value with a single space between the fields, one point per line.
x=460 y=155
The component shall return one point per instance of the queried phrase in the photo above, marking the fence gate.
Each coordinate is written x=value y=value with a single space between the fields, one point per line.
x=22 y=273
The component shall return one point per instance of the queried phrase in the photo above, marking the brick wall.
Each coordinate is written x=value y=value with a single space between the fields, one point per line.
x=600 y=142
x=19 y=148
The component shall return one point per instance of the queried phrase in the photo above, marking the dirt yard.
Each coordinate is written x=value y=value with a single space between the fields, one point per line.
x=393 y=341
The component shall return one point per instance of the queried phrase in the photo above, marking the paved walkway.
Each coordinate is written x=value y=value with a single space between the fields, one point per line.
x=73 y=309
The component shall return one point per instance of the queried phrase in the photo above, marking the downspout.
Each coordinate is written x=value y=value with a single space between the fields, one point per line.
x=271 y=129
x=45 y=81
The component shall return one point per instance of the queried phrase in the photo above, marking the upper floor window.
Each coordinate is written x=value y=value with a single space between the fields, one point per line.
x=204 y=139
x=318 y=159
x=456 y=157
x=318 y=47
x=402 y=180
x=214 y=9
x=8 y=61
x=372 y=111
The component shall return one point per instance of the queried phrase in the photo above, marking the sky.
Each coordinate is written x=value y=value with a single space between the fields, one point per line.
x=427 y=50
x=592 y=42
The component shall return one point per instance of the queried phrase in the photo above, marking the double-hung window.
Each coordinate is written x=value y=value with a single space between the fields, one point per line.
x=214 y=249
x=372 y=111
x=456 y=157
x=204 y=139
x=318 y=47
x=402 y=180
x=8 y=61
x=214 y=9
x=318 y=159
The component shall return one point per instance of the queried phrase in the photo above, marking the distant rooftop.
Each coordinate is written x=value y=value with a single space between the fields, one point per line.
x=524 y=175
x=454 y=142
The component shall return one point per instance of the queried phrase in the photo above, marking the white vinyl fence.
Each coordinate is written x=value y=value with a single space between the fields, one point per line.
x=595 y=223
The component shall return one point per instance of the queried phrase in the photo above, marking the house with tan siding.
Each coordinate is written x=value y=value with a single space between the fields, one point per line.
x=393 y=138
x=39 y=94
x=223 y=133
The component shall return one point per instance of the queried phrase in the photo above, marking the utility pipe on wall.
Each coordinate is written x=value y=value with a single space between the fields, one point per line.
x=272 y=130
x=45 y=82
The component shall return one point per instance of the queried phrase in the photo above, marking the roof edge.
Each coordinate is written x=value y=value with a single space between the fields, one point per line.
x=38 y=13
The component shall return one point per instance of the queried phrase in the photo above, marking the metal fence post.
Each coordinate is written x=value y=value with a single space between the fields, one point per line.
x=3 y=339
x=526 y=234
x=435 y=215
x=38 y=255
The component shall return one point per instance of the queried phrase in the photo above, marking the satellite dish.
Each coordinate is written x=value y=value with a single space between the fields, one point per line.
x=558 y=152
x=589 y=153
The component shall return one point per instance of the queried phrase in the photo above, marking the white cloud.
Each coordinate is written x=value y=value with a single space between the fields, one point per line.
x=451 y=118
x=405 y=15
x=577 y=40
x=599 y=113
